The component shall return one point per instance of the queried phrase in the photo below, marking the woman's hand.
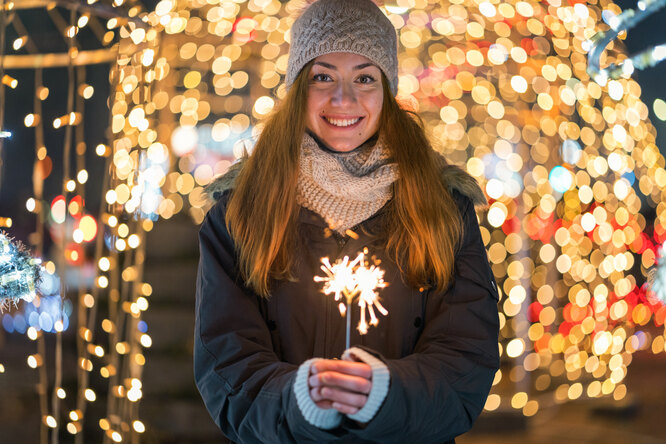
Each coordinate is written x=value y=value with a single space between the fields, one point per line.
x=341 y=385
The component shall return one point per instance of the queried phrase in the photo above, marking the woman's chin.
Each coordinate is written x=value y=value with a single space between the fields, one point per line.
x=343 y=145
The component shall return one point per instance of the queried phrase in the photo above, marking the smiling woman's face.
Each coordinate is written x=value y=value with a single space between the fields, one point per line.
x=345 y=98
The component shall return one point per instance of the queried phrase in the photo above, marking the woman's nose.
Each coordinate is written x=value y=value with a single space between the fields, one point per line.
x=344 y=93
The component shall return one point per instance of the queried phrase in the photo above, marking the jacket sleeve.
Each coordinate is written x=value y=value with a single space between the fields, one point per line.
x=437 y=392
x=245 y=387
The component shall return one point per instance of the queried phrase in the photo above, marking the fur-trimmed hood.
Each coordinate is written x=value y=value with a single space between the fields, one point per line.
x=455 y=178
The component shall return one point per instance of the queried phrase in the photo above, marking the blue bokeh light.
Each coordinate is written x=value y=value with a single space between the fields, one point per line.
x=43 y=317
x=630 y=176
x=33 y=319
x=560 y=179
x=642 y=339
x=8 y=323
x=45 y=321
x=19 y=323
x=49 y=284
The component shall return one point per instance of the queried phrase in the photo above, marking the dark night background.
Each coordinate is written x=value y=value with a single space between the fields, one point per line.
x=171 y=408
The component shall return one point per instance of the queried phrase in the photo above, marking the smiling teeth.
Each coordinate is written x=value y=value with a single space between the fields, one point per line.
x=344 y=122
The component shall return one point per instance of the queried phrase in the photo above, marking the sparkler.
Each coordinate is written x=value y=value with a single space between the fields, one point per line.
x=349 y=280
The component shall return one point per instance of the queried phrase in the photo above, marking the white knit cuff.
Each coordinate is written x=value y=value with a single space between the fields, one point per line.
x=380 y=384
x=318 y=417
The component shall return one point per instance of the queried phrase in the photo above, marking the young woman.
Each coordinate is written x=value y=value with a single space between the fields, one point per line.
x=340 y=167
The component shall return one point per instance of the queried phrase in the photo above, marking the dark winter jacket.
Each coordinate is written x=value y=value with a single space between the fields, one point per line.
x=440 y=348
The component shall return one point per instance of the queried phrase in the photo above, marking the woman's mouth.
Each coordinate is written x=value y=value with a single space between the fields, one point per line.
x=342 y=123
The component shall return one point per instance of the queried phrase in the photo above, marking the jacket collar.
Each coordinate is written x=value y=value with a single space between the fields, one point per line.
x=454 y=177
x=309 y=217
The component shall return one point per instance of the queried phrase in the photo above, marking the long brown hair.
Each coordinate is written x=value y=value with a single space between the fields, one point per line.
x=424 y=225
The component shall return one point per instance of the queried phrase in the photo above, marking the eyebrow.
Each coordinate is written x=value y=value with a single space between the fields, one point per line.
x=333 y=67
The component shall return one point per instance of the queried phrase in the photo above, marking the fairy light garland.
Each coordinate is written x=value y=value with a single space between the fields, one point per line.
x=503 y=89
x=131 y=200
x=121 y=361
x=499 y=84
x=74 y=425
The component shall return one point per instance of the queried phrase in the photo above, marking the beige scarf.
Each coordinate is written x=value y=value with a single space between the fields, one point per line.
x=345 y=188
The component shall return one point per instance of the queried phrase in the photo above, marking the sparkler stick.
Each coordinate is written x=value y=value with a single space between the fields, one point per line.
x=352 y=279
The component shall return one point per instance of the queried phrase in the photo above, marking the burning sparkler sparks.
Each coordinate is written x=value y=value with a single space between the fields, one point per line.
x=352 y=279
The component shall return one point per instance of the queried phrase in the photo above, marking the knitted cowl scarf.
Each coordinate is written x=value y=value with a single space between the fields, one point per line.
x=345 y=188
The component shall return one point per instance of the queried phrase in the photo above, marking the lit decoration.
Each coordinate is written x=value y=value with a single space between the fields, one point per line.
x=46 y=312
x=568 y=164
x=133 y=178
x=113 y=339
x=19 y=273
x=350 y=280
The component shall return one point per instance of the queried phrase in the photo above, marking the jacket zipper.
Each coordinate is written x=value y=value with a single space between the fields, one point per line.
x=341 y=241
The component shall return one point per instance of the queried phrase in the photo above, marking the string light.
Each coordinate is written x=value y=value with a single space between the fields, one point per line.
x=504 y=91
x=9 y=81
x=19 y=42
x=31 y=120
x=67 y=213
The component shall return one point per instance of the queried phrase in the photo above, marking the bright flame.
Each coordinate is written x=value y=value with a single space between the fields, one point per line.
x=351 y=279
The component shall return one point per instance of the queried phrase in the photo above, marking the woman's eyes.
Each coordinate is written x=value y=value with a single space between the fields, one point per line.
x=367 y=77
x=363 y=78
x=321 y=77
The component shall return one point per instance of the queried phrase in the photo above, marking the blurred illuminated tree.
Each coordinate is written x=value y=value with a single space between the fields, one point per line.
x=570 y=167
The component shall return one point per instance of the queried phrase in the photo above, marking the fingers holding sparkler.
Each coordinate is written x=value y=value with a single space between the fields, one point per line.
x=342 y=385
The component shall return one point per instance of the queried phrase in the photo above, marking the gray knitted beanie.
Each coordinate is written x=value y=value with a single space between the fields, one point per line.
x=356 y=26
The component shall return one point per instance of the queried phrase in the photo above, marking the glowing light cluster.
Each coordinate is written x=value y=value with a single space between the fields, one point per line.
x=503 y=89
x=567 y=164
x=133 y=176
x=51 y=315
